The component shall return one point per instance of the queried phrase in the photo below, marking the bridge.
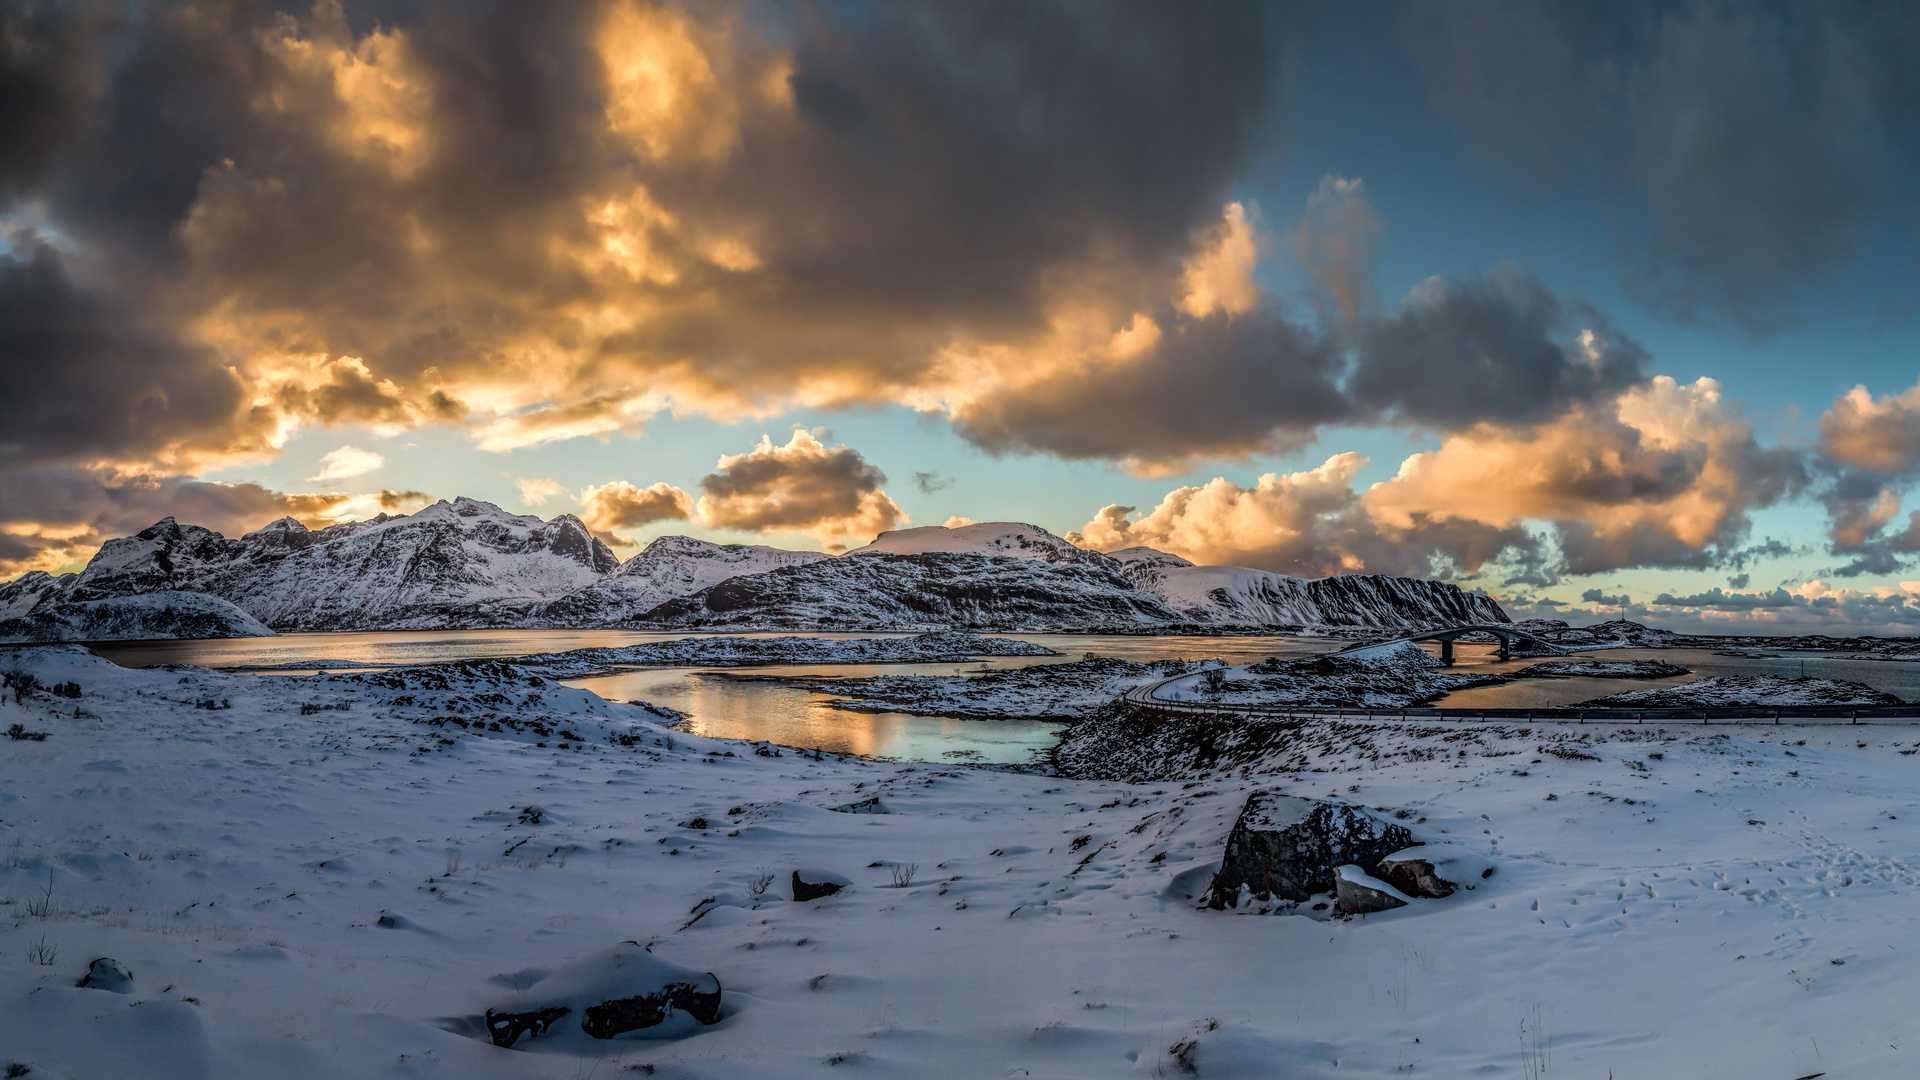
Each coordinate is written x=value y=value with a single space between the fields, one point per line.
x=1446 y=637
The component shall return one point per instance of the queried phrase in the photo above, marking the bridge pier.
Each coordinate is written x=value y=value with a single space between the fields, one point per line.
x=1506 y=647
x=1446 y=651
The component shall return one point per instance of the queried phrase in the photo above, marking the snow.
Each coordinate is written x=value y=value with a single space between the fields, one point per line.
x=1006 y=539
x=1669 y=903
x=1066 y=691
x=670 y=567
x=1749 y=690
x=165 y=614
x=943 y=646
x=1241 y=596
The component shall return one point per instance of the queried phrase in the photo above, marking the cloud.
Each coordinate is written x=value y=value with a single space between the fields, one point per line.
x=930 y=482
x=620 y=505
x=535 y=492
x=1219 y=275
x=347 y=461
x=1500 y=347
x=1868 y=458
x=1595 y=596
x=1878 y=433
x=1335 y=240
x=956 y=521
x=1664 y=475
x=1309 y=523
x=831 y=493
x=1753 y=140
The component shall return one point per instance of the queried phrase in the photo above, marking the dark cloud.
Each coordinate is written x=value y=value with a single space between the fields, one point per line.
x=85 y=381
x=1500 y=347
x=930 y=482
x=1761 y=143
x=1595 y=596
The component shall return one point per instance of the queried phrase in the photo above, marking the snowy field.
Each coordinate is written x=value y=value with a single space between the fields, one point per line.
x=335 y=876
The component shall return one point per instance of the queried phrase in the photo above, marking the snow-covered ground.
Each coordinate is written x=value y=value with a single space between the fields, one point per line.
x=1049 y=691
x=330 y=877
x=1751 y=690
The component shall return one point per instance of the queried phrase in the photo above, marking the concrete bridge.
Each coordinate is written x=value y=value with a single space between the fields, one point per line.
x=1507 y=635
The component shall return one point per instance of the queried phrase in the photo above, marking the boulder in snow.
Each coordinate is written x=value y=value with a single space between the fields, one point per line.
x=107 y=973
x=1289 y=847
x=812 y=884
x=624 y=991
x=871 y=805
x=1355 y=892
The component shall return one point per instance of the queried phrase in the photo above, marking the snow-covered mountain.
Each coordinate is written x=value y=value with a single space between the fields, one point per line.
x=459 y=564
x=164 y=614
x=929 y=590
x=670 y=567
x=470 y=564
x=1009 y=539
x=1239 y=596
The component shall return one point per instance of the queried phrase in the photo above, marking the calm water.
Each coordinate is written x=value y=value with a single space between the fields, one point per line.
x=793 y=717
x=726 y=708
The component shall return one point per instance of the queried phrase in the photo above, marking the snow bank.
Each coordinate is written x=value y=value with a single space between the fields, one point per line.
x=1732 y=690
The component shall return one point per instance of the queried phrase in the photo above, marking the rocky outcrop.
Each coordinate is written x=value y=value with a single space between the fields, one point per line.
x=108 y=974
x=811 y=884
x=618 y=992
x=1355 y=892
x=670 y=567
x=166 y=614
x=1290 y=848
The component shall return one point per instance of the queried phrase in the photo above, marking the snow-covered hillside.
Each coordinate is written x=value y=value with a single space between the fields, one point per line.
x=1239 y=596
x=922 y=592
x=670 y=567
x=166 y=614
x=1009 y=539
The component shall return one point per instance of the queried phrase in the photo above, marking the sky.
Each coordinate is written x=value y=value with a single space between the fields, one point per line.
x=1607 y=310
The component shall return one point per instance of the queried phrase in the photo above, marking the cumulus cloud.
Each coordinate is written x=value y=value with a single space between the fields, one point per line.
x=1754 y=139
x=535 y=491
x=1663 y=475
x=1869 y=457
x=1878 y=433
x=831 y=493
x=347 y=461
x=621 y=505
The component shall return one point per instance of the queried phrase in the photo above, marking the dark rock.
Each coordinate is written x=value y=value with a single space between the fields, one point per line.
x=814 y=884
x=615 y=993
x=610 y=1018
x=1415 y=877
x=1288 y=847
x=505 y=1028
x=1355 y=893
x=107 y=973
x=863 y=806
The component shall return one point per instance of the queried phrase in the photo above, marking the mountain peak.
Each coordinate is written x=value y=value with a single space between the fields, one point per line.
x=1007 y=539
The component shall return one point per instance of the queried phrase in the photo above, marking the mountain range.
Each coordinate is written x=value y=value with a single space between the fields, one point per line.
x=469 y=564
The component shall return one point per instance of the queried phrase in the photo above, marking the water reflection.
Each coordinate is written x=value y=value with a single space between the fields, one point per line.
x=1901 y=679
x=731 y=709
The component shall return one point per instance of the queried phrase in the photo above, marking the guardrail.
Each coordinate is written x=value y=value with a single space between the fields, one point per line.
x=1844 y=715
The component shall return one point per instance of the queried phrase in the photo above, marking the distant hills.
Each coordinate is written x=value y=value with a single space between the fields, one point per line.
x=469 y=564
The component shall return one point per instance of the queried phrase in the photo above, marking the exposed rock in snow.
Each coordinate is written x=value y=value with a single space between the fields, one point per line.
x=166 y=614
x=1007 y=539
x=108 y=974
x=624 y=991
x=1042 y=692
x=922 y=592
x=1600 y=669
x=1358 y=893
x=1748 y=690
x=1289 y=848
x=813 y=884
x=672 y=566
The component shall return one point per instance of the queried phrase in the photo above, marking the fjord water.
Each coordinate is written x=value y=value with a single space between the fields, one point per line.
x=723 y=707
